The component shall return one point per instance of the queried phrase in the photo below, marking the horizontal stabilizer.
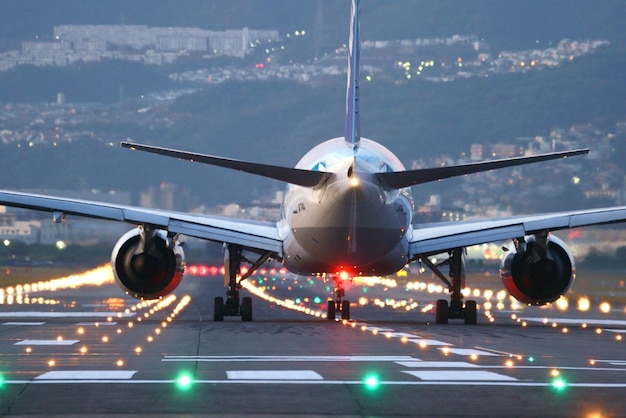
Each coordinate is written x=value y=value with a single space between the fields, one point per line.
x=306 y=178
x=400 y=179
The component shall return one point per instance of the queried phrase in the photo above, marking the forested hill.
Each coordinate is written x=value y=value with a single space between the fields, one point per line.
x=276 y=122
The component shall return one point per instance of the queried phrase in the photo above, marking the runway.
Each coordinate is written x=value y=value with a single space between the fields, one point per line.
x=79 y=347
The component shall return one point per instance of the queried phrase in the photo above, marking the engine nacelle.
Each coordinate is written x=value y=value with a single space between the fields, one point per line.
x=540 y=271
x=147 y=264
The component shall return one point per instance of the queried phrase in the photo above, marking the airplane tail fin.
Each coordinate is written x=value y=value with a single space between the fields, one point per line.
x=399 y=179
x=352 y=133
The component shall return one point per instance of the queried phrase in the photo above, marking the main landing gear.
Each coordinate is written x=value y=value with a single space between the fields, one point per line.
x=232 y=306
x=338 y=305
x=456 y=309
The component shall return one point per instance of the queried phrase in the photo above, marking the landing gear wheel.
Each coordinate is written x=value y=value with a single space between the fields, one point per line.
x=441 y=312
x=470 y=312
x=330 y=310
x=345 y=310
x=218 y=309
x=246 y=309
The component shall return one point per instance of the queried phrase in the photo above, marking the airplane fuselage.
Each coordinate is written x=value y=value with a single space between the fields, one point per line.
x=350 y=222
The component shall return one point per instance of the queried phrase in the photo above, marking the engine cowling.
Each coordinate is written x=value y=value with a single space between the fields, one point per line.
x=147 y=264
x=539 y=271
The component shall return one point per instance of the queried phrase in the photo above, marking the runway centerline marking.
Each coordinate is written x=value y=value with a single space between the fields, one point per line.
x=437 y=364
x=286 y=375
x=456 y=375
x=289 y=358
x=47 y=342
x=35 y=314
x=573 y=321
x=86 y=375
x=427 y=342
x=617 y=331
x=469 y=352
x=28 y=324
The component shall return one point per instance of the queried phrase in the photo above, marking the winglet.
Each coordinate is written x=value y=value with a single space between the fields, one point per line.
x=352 y=133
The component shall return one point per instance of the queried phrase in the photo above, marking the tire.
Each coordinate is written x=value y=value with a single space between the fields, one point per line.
x=345 y=310
x=218 y=309
x=441 y=312
x=330 y=310
x=246 y=309
x=470 y=312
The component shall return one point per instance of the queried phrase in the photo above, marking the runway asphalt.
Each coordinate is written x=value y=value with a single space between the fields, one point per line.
x=74 y=348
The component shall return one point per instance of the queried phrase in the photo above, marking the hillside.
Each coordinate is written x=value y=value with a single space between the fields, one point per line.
x=506 y=24
x=274 y=122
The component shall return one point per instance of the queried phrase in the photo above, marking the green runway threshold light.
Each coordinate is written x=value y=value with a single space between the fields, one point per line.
x=559 y=384
x=184 y=381
x=372 y=381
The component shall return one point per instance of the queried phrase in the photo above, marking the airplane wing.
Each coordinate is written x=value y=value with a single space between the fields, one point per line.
x=435 y=238
x=250 y=234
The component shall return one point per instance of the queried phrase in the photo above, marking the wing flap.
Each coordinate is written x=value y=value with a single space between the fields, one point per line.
x=256 y=236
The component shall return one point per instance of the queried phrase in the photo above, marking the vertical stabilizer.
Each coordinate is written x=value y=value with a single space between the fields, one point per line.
x=353 y=124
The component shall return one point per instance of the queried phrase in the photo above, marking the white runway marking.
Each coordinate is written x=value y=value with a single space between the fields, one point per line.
x=288 y=375
x=469 y=352
x=87 y=375
x=30 y=324
x=279 y=359
x=34 y=314
x=572 y=321
x=420 y=341
x=456 y=375
x=47 y=342
x=96 y=324
x=617 y=331
x=436 y=364
x=613 y=362
x=493 y=382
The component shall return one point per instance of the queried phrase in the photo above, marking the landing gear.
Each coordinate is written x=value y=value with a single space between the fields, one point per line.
x=232 y=306
x=338 y=305
x=218 y=309
x=456 y=309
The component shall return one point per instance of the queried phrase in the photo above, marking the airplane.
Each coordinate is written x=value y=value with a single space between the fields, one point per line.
x=347 y=212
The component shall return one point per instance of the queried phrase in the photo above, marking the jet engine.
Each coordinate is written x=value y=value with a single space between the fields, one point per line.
x=147 y=263
x=539 y=271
